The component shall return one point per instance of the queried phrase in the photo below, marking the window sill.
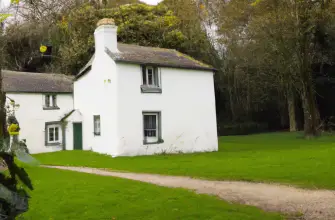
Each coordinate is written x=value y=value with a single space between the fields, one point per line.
x=148 y=89
x=157 y=142
x=53 y=144
x=51 y=108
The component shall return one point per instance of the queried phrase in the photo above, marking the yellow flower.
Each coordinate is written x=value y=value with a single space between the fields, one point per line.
x=13 y=129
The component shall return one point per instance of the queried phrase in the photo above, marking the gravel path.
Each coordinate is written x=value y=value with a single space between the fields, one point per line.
x=313 y=204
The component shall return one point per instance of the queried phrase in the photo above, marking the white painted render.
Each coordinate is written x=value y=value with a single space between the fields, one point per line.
x=96 y=94
x=112 y=90
x=187 y=106
x=105 y=36
x=32 y=118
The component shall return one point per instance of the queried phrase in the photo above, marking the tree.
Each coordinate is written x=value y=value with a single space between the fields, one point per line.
x=13 y=187
x=249 y=90
x=13 y=195
x=137 y=24
x=71 y=33
x=279 y=38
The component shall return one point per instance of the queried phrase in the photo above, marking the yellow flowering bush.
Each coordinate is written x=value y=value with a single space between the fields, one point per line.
x=13 y=129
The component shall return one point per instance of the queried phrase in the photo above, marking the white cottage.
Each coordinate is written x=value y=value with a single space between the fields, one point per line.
x=43 y=99
x=128 y=100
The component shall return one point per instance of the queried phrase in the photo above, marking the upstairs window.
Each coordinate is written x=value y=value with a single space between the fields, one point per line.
x=50 y=102
x=150 y=76
x=151 y=81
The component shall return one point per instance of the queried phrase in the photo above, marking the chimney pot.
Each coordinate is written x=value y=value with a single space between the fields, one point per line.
x=105 y=36
x=106 y=21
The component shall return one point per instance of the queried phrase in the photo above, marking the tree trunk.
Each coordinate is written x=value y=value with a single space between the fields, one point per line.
x=2 y=103
x=308 y=95
x=310 y=112
x=231 y=87
x=231 y=104
x=3 y=124
x=304 y=36
x=305 y=109
x=291 y=110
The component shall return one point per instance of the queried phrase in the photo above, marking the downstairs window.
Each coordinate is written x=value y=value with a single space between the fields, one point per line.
x=53 y=134
x=152 y=127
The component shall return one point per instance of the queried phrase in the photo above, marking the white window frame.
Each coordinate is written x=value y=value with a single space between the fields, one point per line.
x=155 y=77
x=53 y=126
x=157 y=138
x=97 y=125
x=51 y=98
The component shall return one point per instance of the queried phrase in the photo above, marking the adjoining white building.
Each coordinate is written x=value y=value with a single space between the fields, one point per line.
x=128 y=100
x=44 y=99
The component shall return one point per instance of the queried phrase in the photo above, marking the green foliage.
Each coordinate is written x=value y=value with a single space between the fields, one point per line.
x=71 y=35
x=13 y=185
x=274 y=157
x=23 y=41
x=3 y=17
x=137 y=24
x=14 y=182
x=270 y=48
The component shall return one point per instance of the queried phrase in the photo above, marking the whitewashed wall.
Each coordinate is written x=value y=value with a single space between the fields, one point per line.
x=187 y=106
x=95 y=94
x=32 y=118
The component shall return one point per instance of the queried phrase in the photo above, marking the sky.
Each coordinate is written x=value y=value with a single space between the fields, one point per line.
x=151 y=2
x=4 y=3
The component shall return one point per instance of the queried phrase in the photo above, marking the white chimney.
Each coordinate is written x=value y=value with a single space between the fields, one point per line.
x=105 y=35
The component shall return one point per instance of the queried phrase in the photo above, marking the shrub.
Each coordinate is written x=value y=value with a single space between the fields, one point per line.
x=13 y=184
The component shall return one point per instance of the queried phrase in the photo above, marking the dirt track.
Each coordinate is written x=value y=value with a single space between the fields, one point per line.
x=313 y=204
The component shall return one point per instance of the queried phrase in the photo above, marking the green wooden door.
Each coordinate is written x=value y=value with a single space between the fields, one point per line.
x=77 y=136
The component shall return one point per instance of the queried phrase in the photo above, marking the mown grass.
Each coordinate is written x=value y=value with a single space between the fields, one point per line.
x=275 y=157
x=60 y=195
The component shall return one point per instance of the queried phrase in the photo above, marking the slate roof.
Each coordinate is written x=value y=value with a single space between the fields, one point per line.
x=36 y=82
x=129 y=53
x=158 y=56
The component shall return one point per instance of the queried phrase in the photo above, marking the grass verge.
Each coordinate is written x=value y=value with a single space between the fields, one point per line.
x=276 y=157
x=71 y=195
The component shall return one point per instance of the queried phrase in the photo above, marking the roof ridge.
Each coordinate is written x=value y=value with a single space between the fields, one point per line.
x=36 y=73
x=159 y=48
x=136 y=54
x=193 y=59
x=31 y=82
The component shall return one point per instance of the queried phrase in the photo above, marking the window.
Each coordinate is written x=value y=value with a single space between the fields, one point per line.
x=96 y=121
x=152 y=127
x=53 y=133
x=150 y=76
x=151 y=82
x=50 y=102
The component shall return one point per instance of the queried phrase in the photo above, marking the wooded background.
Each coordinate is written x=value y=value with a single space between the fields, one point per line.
x=274 y=58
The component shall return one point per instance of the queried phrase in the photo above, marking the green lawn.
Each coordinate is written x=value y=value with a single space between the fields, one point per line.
x=275 y=157
x=62 y=195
